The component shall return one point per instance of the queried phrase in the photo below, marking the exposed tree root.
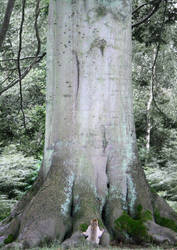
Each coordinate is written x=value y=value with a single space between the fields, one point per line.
x=163 y=207
x=161 y=234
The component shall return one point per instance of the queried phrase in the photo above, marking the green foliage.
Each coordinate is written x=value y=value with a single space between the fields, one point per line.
x=17 y=174
x=4 y=207
x=45 y=7
x=160 y=168
x=83 y=227
x=165 y=222
x=9 y=239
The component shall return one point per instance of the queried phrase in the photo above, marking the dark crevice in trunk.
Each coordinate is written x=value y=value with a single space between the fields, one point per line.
x=104 y=213
x=105 y=142
x=127 y=197
x=72 y=201
x=107 y=174
x=68 y=234
x=70 y=231
x=102 y=50
x=78 y=74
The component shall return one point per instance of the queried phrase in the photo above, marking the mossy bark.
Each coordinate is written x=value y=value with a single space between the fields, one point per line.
x=90 y=167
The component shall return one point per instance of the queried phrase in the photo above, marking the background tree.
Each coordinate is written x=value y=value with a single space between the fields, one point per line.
x=157 y=38
x=31 y=98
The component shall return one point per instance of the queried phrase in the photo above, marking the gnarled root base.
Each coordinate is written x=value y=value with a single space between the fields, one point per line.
x=50 y=213
x=44 y=231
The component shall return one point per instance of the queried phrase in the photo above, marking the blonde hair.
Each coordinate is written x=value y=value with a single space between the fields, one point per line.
x=94 y=225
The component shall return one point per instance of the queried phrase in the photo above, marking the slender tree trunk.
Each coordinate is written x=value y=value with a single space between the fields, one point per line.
x=149 y=104
x=90 y=168
x=6 y=21
x=149 y=125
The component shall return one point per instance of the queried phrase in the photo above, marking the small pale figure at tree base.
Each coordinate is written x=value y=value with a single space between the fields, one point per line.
x=93 y=232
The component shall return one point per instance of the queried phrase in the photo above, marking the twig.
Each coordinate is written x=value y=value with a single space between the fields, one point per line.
x=18 y=61
x=15 y=59
x=6 y=79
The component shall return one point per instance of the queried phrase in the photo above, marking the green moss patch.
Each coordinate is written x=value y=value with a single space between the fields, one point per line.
x=165 y=222
x=83 y=227
x=101 y=11
x=9 y=239
x=134 y=228
x=142 y=215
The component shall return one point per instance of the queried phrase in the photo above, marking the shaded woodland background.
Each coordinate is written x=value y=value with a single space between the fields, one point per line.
x=22 y=96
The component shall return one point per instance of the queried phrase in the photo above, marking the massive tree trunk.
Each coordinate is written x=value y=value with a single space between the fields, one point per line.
x=90 y=168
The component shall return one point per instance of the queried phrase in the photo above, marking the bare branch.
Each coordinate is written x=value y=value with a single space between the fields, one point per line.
x=153 y=10
x=139 y=7
x=36 y=28
x=21 y=59
x=6 y=21
x=8 y=69
x=14 y=82
x=145 y=4
x=6 y=79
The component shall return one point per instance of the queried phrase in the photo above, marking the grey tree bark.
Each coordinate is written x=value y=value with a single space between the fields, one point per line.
x=90 y=167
